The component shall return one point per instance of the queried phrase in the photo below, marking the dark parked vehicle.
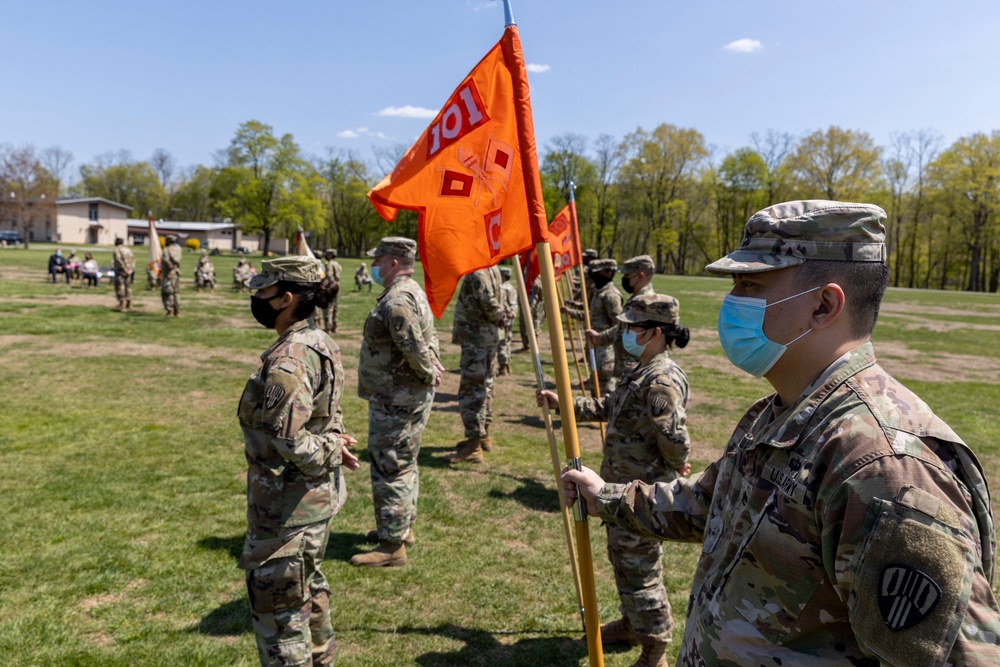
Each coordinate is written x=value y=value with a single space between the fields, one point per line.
x=11 y=236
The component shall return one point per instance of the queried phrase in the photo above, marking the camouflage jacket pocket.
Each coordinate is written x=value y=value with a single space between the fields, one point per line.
x=911 y=579
x=249 y=411
x=758 y=586
x=257 y=553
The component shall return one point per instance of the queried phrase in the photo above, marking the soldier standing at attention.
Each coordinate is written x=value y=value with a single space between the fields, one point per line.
x=333 y=271
x=637 y=281
x=845 y=524
x=124 y=265
x=295 y=446
x=605 y=307
x=509 y=302
x=397 y=373
x=170 y=275
x=478 y=314
x=647 y=439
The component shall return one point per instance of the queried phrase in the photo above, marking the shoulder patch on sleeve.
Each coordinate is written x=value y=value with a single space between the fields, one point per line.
x=912 y=584
x=288 y=366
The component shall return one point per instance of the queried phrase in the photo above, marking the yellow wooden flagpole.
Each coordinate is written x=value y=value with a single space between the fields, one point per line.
x=522 y=295
x=571 y=332
x=571 y=442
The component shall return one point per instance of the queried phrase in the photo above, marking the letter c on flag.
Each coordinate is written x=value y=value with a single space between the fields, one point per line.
x=493 y=231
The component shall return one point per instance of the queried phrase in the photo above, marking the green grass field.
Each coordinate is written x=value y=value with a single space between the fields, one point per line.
x=123 y=479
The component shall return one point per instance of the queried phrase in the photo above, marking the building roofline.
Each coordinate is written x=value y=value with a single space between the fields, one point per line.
x=91 y=200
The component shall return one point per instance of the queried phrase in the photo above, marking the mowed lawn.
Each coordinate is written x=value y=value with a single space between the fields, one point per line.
x=123 y=507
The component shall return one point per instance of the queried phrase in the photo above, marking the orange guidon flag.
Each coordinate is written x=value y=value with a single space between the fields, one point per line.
x=472 y=176
x=563 y=241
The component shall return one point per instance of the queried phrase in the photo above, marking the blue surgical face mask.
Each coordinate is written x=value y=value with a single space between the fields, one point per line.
x=630 y=344
x=741 y=332
x=376 y=274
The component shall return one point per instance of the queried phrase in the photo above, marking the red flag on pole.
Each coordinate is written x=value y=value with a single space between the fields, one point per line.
x=564 y=241
x=468 y=176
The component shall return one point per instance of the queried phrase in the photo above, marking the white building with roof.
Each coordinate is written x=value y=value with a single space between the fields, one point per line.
x=85 y=220
x=224 y=236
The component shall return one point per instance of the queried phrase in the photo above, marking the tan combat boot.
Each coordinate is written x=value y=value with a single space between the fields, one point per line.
x=487 y=443
x=470 y=450
x=619 y=632
x=654 y=652
x=386 y=554
x=409 y=537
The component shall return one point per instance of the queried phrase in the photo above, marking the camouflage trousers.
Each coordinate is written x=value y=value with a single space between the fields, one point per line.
x=394 y=433
x=169 y=289
x=123 y=287
x=639 y=578
x=503 y=352
x=330 y=316
x=478 y=367
x=289 y=596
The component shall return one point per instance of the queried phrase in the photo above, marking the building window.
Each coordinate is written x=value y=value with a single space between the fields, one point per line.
x=93 y=211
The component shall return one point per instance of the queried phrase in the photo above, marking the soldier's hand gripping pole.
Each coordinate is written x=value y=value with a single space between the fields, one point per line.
x=522 y=296
x=572 y=443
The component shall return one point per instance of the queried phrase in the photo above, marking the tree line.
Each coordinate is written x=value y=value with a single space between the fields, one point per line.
x=665 y=192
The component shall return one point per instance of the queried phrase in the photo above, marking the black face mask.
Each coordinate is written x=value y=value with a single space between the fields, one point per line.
x=262 y=311
x=627 y=285
x=600 y=280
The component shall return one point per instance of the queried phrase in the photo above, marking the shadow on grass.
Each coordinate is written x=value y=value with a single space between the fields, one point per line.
x=232 y=618
x=344 y=545
x=485 y=648
x=532 y=494
x=231 y=545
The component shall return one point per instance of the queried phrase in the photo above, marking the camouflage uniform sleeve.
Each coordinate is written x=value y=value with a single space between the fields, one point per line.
x=901 y=524
x=489 y=300
x=288 y=406
x=591 y=409
x=668 y=419
x=609 y=335
x=676 y=510
x=575 y=313
x=613 y=305
x=409 y=339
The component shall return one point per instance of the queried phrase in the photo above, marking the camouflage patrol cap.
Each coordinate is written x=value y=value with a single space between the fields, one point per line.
x=331 y=251
x=602 y=265
x=293 y=269
x=397 y=246
x=505 y=271
x=651 y=308
x=589 y=255
x=639 y=263
x=788 y=234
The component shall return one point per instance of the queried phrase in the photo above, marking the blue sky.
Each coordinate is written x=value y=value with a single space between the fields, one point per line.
x=94 y=77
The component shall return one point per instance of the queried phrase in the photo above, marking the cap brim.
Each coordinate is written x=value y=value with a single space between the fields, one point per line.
x=371 y=253
x=742 y=261
x=625 y=317
x=260 y=281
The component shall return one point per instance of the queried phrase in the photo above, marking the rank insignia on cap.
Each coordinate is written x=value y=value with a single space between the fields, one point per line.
x=906 y=596
x=273 y=394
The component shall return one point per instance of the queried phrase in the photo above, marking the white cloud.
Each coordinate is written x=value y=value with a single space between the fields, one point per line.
x=745 y=45
x=480 y=6
x=407 y=111
x=361 y=132
x=536 y=68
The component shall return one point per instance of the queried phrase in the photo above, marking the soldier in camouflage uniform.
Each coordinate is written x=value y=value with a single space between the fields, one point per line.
x=241 y=274
x=845 y=524
x=170 y=276
x=509 y=301
x=605 y=307
x=295 y=447
x=333 y=271
x=637 y=281
x=478 y=314
x=397 y=373
x=124 y=265
x=204 y=273
x=647 y=439
x=362 y=278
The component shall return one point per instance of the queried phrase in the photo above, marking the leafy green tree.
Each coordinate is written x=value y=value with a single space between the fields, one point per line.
x=741 y=190
x=27 y=190
x=124 y=181
x=266 y=185
x=192 y=198
x=836 y=163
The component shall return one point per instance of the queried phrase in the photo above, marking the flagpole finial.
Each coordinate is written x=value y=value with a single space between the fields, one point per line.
x=508 y=14
x=572 y=191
